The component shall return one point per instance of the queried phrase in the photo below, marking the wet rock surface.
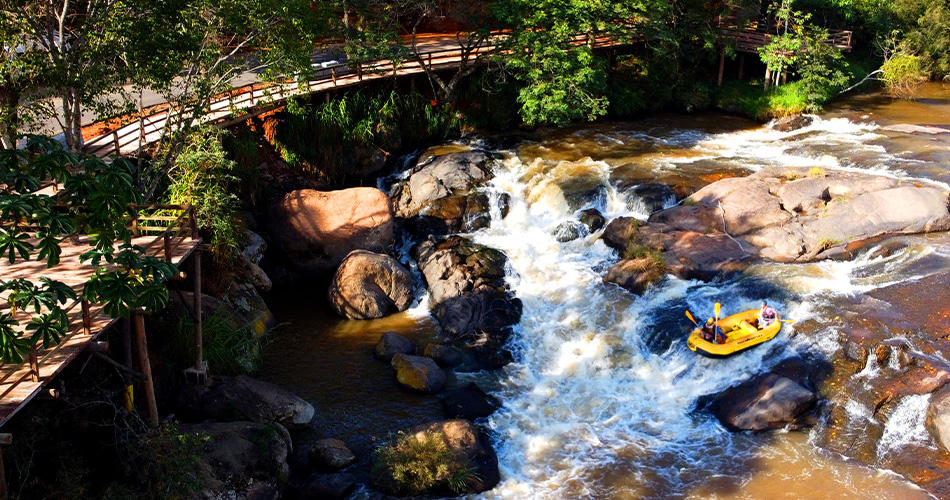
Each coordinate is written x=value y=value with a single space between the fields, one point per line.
x=390 y=344
x=764 y=402
x=330 y=455
x=470 y=299
x=418 y=373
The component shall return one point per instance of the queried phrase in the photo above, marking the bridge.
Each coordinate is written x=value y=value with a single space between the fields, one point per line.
x=251 y=100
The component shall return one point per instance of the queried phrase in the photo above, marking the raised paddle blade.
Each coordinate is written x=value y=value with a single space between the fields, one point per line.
x=717 y=308
x=690 y=316
x=788 y=320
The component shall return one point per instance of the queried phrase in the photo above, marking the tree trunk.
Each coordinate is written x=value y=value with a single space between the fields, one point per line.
x=72 y=120
x=9 y=116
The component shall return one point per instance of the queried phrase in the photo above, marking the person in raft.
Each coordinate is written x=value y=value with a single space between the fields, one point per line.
x=710 y=332
x=767 y=315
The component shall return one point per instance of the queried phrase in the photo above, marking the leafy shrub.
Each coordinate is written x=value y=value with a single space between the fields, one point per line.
x=414 y=464
x=902 y=74
x=201 y=177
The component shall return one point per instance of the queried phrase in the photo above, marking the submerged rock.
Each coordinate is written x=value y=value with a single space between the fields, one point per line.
x=327 y=487
x=469 y=402
x=243 y=398
x=391 y=344
x=418 y=373
x=315 y=230
x=330 y=455
x=592 y=218
x=369 y=285
x=790 y=123
x=764 y=402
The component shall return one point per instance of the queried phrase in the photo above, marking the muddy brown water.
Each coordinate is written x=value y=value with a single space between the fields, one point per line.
x=601 y=403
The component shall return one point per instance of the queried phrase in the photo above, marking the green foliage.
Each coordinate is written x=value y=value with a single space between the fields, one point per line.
x=751 y=100
x=202 y=177
x=95 y=199
x=160 y=464
x=331 y=140
x=417 y=463
x=228 y=348
x=652 y=259
x=902 y=74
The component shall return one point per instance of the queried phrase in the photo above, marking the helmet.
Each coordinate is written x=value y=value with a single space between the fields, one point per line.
x=764 y=304
x=709 y=321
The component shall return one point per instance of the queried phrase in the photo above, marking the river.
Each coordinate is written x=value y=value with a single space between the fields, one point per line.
x=601 y=401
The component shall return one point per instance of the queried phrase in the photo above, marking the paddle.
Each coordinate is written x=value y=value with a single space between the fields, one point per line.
x=716 y=309
x=690 y=316
x=789 y=320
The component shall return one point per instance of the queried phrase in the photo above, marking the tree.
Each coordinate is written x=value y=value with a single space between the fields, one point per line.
x=95 y=199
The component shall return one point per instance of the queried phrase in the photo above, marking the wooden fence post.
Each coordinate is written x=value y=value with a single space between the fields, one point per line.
x=168 y=247
x=115 y=140
x=34 y=364
x=86 y=320
x=141 y=344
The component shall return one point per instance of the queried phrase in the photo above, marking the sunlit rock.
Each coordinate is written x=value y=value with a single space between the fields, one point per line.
x=474 y=459
x=418 y=373
x=369 y=285
x=635 y=275
x=314 y=230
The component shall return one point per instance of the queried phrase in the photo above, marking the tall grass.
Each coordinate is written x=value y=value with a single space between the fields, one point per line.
x=331 y=140
x=228 y=349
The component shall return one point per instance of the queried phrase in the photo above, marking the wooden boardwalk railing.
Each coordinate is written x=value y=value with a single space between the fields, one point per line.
x=244 y=102
x=171 y=235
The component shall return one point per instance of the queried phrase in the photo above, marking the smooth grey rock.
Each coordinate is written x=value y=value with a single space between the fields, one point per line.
x=390 y=344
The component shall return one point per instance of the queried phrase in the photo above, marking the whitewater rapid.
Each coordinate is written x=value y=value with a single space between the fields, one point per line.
x=602 y=400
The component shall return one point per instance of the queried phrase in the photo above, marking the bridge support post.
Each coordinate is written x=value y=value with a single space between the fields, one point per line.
x=197 y=374
x=741 y=64
x=6 y=440
x=722 y=65
x=141 y=344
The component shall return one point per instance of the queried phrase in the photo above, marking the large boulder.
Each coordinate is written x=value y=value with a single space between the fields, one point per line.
x=764 y=402
x=418 y=373
x=785 y=215
x=938 y=417
x=472 y=452
x=243 y=398
x=446 y=176
x=315 y=230
x=470 y=298
x=442 y=195
x=240 y=460
x=369 y=285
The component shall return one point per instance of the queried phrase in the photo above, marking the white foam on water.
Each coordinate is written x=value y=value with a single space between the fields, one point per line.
x=604 y=384
x=906 y=426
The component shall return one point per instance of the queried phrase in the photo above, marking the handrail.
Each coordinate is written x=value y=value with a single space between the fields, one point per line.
x=181 y=226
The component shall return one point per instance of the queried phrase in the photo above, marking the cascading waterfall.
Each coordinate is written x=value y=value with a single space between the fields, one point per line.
x=601 y=402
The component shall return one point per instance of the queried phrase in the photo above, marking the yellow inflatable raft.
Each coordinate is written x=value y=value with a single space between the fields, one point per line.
x=740 y=335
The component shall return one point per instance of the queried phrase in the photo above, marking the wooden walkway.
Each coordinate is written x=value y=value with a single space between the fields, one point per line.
x=19 y=383
x=242 y=103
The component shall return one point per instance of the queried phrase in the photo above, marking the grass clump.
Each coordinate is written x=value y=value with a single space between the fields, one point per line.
x=649 y=257
x=416 y=463
x=228 y=349
x=827 y=242
x=817 y=173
